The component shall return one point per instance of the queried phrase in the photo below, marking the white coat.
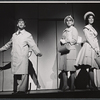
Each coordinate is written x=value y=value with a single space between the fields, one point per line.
x=21 y=44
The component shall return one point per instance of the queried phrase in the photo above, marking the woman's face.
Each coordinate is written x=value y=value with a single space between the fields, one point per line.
x=69 y=22
x=91 y=19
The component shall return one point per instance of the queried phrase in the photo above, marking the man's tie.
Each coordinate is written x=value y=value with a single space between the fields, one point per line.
x=18 y=33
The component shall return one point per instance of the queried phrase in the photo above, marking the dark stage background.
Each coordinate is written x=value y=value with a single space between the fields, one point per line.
x=45 y=22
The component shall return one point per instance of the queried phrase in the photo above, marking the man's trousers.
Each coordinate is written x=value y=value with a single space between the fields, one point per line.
x=21 y=82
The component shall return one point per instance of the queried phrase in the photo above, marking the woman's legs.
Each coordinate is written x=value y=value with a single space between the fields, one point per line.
x=91 y=74
x=64 y=78
x=72 y=73
x=33 y=75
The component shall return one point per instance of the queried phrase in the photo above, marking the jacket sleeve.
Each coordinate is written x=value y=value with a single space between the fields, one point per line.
x=6 y=46
x=33 y=45
x=64 y=37
x=74 y=36
x=90 y=39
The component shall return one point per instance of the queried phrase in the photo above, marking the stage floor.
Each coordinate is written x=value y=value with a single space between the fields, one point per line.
x=86 y=93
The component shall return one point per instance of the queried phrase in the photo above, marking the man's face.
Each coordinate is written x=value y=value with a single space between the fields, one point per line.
x=21 y=24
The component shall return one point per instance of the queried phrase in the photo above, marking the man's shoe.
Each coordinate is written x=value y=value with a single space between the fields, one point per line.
x=14 y=93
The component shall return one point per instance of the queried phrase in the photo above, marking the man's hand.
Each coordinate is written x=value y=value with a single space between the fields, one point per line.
x=0 y=50
x=1 y=68
x=98 y=53
x=39 y=54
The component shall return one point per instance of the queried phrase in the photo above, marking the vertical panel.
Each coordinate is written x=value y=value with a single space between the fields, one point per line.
x=6 y=29
x=47 y=63
x=1 y=72
x=60 y=28
x=7 y=75
x=31 y=26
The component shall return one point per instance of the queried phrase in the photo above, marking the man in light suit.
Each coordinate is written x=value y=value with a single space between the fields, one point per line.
x=21 y=42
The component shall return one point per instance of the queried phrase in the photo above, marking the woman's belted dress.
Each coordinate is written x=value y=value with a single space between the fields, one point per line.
x=87 y=53
x=67 y=61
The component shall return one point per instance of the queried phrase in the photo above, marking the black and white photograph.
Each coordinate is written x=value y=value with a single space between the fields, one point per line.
x=50 y=49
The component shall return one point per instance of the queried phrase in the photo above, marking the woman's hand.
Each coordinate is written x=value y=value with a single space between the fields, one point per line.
x=62 y=41
x=98 y=53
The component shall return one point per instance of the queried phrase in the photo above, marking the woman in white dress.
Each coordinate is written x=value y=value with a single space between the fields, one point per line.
x=90 y=48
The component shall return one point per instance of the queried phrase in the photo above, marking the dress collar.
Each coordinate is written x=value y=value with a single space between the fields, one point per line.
x=68 y=29
x=89 y=27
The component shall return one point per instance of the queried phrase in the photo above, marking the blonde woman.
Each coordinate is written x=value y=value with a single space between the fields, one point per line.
x=69 y=37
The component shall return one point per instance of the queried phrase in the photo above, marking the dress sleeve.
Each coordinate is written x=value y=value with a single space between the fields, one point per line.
x=6 y=46
x=33 y=45
x=97 y=45
x=90 y=39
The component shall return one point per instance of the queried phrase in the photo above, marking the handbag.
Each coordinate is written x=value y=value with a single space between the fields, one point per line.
x=64 y=49
x=97 y=59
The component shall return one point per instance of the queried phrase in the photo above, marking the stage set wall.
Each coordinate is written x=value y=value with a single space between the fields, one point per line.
x=45 y=22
